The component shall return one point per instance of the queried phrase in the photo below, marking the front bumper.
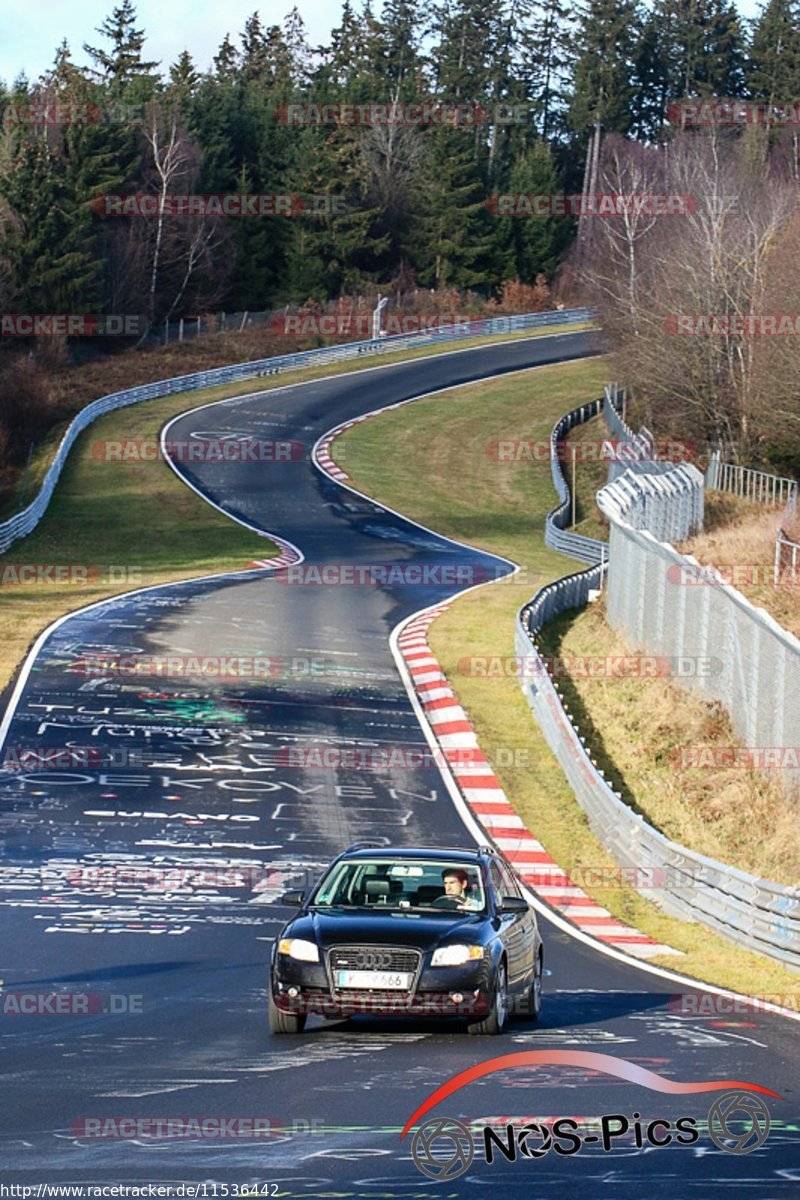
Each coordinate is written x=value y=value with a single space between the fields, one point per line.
x=303 y=988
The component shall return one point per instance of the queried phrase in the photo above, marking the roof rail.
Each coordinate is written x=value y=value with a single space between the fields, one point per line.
x=371 y=845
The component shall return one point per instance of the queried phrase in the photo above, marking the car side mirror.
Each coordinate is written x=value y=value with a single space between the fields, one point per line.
x=292 y=899
x=513 y=904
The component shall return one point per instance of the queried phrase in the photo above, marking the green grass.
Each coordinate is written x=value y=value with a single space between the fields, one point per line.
x=135 y=521
x=429 y=460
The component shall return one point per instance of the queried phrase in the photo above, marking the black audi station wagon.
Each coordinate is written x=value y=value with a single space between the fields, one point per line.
x=409 y=932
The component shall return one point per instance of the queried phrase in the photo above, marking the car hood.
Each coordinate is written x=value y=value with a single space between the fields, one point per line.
x=388 y=929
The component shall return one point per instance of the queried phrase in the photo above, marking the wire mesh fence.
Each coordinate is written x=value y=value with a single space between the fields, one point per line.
x=756 y=675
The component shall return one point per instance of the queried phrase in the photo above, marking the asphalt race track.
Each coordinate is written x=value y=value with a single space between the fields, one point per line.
x=142 y=886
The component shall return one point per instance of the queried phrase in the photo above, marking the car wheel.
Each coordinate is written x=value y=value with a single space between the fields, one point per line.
x=535 y=995
x=283 y=1022
x=496 y=1019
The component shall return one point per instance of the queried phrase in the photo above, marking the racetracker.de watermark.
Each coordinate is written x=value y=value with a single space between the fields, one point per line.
x=608 y=449
x=384 y=575
x=212 y=1127
x=733 y=324
x=375 y=112
x=72 y=325
x=361 y=324
x=744 y=758
x=69 y=112
x=588 y=666
x=397 y=757
x=210 y=666
x=19 y=1003
x=272 y=204
x=199 y=449
x=708 y=1004
x=586 y=204
x=189 y=878
x=717 y=111
x=733 y=574
x=73 y=574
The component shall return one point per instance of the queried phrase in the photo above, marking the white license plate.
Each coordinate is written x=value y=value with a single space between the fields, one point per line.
x=399 y=980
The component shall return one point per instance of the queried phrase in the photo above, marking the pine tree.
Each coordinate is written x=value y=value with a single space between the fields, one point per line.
x=299 y=51
x=122 y=65
x=773 y=69
x=547 y=58
x=451 y=244
x=702 y=48
x=64 y=74
x=401 y=31
x=331 y=253
x=184 y=78
x=604 y=78
x=531 y=245
x=226 y=61
x=347 y=68
x=260 y=246
x=52 y=268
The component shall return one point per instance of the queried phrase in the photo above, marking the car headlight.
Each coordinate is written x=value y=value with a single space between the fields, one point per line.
x=455 y=956
x=300 y=949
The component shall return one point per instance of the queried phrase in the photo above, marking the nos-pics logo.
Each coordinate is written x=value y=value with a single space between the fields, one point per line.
x=738 y=1120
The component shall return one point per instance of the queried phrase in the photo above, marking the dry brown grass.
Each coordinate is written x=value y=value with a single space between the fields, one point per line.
x=739 y=540
x=637 y=728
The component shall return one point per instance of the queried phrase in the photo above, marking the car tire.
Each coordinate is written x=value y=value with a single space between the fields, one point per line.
x=283 y=1022
x=533 y=1002
x=496 y=1019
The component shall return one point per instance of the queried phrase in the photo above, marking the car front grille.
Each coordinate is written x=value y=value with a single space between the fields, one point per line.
x=374 y=958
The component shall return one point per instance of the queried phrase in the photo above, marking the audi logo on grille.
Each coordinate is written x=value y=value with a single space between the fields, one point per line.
x=373 y=960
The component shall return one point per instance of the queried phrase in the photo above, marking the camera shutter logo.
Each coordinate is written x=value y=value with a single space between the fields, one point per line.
x=728 y=1110
x=451 y=1158
x=535 y=1140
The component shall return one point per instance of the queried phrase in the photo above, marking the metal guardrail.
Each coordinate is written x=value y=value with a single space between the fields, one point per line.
x=556 y=535
x=758 y=486
x=22 y=523
x=761 y=915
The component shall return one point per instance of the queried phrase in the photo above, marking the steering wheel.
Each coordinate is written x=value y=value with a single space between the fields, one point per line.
x=447 y=902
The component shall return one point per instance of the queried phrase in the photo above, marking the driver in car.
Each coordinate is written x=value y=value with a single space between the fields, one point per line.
x=455 y=895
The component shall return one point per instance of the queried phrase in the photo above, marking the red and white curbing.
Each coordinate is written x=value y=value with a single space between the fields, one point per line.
x=287 y=557
x=323 y=453
x=481 y=789
x=480 y=786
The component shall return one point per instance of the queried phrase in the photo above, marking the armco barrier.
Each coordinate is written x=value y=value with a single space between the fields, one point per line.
x=556 y=535
x=760 y=915
x=23 y=522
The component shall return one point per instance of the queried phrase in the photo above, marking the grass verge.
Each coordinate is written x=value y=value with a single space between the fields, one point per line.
x=645 y=732
x=429 y=460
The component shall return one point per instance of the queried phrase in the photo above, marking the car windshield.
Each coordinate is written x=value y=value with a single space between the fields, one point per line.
x=405 y=885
